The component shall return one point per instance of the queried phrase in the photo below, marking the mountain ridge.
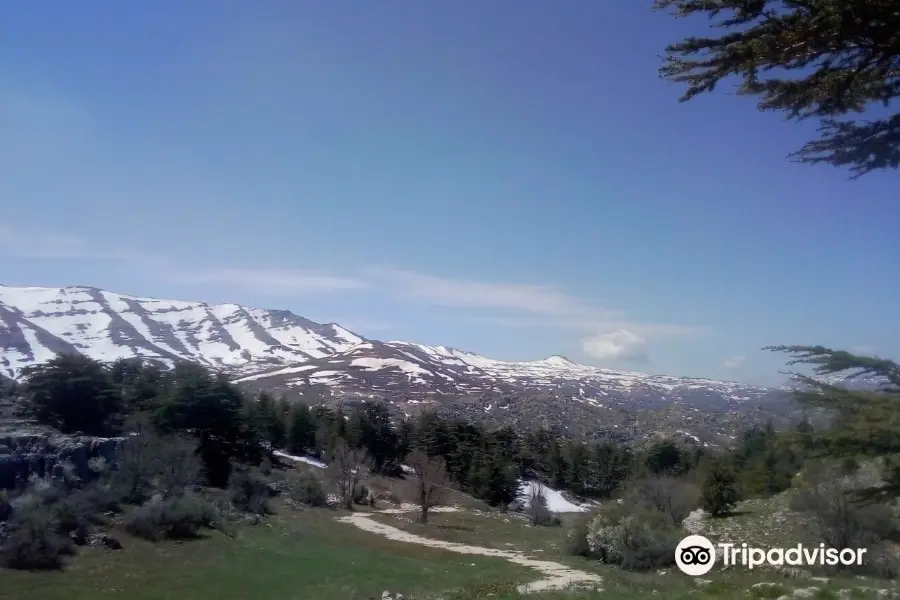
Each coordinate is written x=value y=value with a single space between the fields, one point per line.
x=155 y=346
x=281 y=352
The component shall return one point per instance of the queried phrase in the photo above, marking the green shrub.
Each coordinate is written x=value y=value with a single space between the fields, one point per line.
x=34 y=541
x=577 y=537
x=360 y=494
x=307 y=489
x=178 y=517
x=719 y=494
x=648 y=541
x=250 y=492
x=633 y=536
x=72 y=520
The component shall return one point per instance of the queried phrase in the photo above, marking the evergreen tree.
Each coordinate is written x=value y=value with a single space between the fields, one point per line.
x=719 y=492
x=379 y=437
x=267 y=419
x=865 y=423
x=558 y=466
x=814 y=59
x=537 y=446
x=143 y=386
x=301 y=430
x=664 y=458
x=73 y=393
x=406 y=437
x=355 y=427
x=466 y=440
x=493 y=479
x=579 y=475
x=612 y=467
x=211 y=408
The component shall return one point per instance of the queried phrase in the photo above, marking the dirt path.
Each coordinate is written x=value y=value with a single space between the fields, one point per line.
x=555 y=575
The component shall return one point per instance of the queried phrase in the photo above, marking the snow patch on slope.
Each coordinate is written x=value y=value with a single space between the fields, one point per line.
x=555 y=501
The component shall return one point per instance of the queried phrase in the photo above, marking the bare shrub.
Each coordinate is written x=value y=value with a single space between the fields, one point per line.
x=670 y=496
x=148 y=464
x=538 y=511
x=431 y=476
x=345 y=469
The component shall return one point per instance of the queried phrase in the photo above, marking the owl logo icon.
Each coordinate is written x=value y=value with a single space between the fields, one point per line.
x=695 y=555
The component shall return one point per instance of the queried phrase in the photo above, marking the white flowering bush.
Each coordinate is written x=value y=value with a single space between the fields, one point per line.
x=634 y=536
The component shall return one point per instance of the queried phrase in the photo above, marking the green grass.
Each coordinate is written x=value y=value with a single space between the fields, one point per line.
x=299 y=555
x=488 y=529
x=304 y=555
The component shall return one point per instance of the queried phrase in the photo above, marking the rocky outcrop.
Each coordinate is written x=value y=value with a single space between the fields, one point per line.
x=28 y=451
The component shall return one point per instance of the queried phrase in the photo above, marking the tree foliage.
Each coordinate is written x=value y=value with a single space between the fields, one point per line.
x=819 y=59
x=192 y=416
x=865 y=423
x=73 y=394
x=719 y=493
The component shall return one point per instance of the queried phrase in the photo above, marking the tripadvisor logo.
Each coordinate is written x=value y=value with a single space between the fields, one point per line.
x=695 y=555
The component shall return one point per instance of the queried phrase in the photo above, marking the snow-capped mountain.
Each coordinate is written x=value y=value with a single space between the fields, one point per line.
x=38 y=323
x=278 y=350
x=429 y=372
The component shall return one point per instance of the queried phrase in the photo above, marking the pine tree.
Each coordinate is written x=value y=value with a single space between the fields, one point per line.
x=578 y=461
x=559 y=467
x=493 y=479
x=73 y=393
x=719 y=492
x=664 y=458
x=819 y=59
x=379 y=437
x=612 y=467
x=301 y=429
x=406 y=437
x=865 y=423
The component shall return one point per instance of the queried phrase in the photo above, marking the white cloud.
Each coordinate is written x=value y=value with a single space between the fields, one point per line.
x=734 y=362
x=611 y=334
x=39 y=243
x=541 y=299
x=617 y=345
x=273 y=281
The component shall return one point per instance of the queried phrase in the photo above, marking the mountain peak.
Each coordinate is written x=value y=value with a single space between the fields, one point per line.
x=557 y=360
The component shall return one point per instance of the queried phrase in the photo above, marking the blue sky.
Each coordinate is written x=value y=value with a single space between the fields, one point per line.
x=510 y=178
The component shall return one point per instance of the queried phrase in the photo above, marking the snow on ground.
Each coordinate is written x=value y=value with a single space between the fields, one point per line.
x=555 y=501
x=375 y=364
x=304 y=459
